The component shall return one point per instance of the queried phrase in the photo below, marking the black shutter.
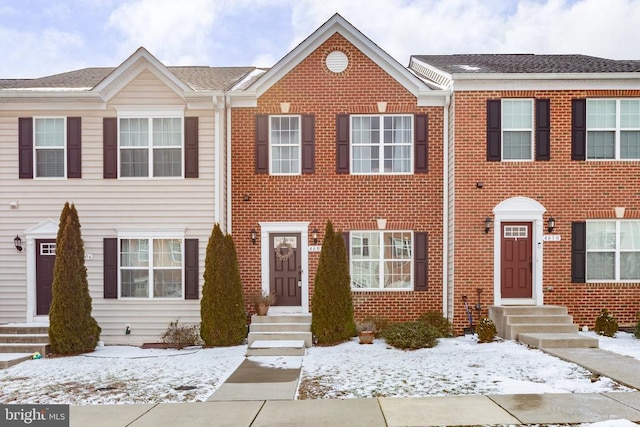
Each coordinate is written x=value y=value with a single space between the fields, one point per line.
x=420 y=261
x=110 y=249
x=578 y=252
x=494 y=130
x=342 y=143
x=191 y=276
x=190 y=147
x=262 y=144
x=421 y=148
x=110 y=148
x=74 y=147
x=543 y=129
x=25 y=147
x=308 y=144
x=578 y=129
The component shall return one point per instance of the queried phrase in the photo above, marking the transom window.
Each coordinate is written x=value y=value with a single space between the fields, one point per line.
x=381 y=144
x=49 y=140
x=613 y=129
x=517 y=129
x=613 y=250
x=381 y=259
x=284 y=136
x=151 y=268
x=150 y=146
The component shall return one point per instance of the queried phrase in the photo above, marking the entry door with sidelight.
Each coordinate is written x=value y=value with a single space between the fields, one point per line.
x=45 y=259
x=516 y=260
x=285 y=270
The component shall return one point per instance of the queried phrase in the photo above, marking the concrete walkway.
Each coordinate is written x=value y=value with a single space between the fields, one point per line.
x=261 y=392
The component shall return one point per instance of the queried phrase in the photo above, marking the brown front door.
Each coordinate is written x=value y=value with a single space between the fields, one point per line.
x=516 y=260
x=285 y=268
x=45 y=259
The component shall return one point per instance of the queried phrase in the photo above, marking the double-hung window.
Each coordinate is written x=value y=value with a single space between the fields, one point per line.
x=285 y=142
x=613 y=129
x=151 y=268
x=381 y=144
x=613 y=250
x=517 y=129
x=381 y=260
x=151 y=146
x=49 y=143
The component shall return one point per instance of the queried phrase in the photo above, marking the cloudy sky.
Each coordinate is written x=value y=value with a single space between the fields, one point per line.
x=43 y=37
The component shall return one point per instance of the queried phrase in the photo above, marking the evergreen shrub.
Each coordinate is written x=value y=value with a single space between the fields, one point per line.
x=606 y=324
x=486 y=330
x=439 y=322
x=411 y=335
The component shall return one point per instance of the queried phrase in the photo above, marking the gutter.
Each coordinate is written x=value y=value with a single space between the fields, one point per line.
x=445 y=213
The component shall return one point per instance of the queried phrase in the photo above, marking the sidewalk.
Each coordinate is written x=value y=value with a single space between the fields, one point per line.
x=260 y=395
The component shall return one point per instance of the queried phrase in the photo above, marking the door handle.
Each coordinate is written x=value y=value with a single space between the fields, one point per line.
x=299 y=277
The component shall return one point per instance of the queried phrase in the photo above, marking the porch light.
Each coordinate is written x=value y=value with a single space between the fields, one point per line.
x=253 y=236
x=551 y=224
x=17 y=242
x=314 y=233
x=487 y=224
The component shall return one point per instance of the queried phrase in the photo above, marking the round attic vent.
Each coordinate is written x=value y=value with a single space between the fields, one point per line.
x=337 y=61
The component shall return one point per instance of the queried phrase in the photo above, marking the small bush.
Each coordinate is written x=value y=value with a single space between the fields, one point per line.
x=606 y=324
x=486 y=330
x=439 y=322
x=636 y=333
x=181 y=336
x=411 y=335
x=381 y=323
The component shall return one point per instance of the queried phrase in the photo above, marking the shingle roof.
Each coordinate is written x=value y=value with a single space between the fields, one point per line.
x=527 y=63
x=199 y=78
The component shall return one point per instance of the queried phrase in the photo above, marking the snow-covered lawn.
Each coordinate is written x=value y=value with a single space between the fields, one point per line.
x=119 y=374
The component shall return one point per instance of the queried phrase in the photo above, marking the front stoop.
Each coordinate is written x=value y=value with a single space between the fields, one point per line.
x=539 y=326
x=283 y=335
x=18 y=343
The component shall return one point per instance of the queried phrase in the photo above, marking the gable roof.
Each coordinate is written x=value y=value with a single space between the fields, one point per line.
x=337 y=24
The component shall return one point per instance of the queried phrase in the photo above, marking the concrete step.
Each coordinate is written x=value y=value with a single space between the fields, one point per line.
x=20 y=329
x=294 y=318
x=280 y=327
x=24 y=338
x=276 y=348
x=280 y=336
x=528 y=310
x=533 y=319
x=544 y=328
x=10 y=359
x=24 y=348
x=557 y=340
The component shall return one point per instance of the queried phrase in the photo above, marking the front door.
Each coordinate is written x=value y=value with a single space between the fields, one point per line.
x=45 y=259
x=285 y=268
x=516 y=260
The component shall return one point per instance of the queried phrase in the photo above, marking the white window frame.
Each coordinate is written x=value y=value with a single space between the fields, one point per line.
x=617 y=130
x=36 y=148
x=530 y=129
x=617 y=250
x=381 y=144
x=298 y=144
x=406 y=246
x=150 y=115
x=150 y=237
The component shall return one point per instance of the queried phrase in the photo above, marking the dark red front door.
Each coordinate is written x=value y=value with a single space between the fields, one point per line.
x=45 y=259
x=285 y=268
x=516 y=260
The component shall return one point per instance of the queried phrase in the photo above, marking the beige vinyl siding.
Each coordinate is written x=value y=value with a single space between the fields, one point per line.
x=105 y=206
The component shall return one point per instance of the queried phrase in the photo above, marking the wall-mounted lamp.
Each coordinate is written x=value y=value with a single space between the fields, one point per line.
x=253 y=236
x=314 y=234
x=487 y=224
x=551 y=224
x=17 y=242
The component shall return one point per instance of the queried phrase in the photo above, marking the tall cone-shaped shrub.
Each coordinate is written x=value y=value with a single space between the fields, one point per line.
x=222 y=307
x=332 y=306
x=72 y=329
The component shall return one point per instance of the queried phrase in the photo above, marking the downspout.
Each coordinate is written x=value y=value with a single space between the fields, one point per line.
x=445 y=214
x=217 y=184
x=227 y=102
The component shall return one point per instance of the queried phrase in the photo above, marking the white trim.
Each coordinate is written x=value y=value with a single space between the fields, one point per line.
x=229 y=183
x=530 y=129
x=298 y=144
x=286 y=227
x=545 y=82
x=146 y=112
x=44 y=148
x=445 y=211
x=141 y=233
x=519 y=209
x=47 y=229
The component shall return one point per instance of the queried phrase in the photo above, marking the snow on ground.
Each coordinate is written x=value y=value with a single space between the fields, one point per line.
x=122 y=374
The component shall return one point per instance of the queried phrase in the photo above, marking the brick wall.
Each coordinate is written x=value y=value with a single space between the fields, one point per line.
x=569 y=190
x=350 y=202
